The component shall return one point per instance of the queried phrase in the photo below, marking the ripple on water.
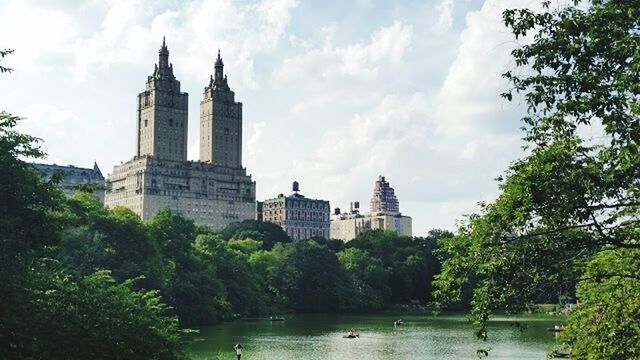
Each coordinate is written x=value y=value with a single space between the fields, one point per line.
x=312 y=337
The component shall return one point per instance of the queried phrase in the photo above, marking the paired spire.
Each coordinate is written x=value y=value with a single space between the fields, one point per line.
x=218 y=80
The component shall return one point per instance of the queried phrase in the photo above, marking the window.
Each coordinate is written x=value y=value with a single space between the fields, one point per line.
x=146 y=122
x=170 y=122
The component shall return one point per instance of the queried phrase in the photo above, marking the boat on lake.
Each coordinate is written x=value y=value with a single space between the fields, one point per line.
x=351 y=335
x=270 y=318
x=561 y=355
x=556 y=328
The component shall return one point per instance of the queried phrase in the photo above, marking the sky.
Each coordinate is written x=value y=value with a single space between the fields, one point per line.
x=334 y=93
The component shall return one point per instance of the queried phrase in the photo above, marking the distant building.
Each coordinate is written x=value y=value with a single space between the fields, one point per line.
x=300 y=217
x=384 y=215
x=74 y=176
x=384 y=198
x=214 y=191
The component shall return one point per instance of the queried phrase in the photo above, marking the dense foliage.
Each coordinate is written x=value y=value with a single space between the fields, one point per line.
x=207 y=276
x=47 y=309
x=79 y=280
x=568 y=211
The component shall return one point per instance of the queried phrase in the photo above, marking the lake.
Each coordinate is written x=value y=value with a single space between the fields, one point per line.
x=311 y=337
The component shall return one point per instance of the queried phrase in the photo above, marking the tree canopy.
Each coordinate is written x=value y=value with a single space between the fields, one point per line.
x=47 y=307
x=573 y=201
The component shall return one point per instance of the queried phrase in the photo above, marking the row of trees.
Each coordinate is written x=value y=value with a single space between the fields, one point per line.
x=79 y=280
x=207 y=276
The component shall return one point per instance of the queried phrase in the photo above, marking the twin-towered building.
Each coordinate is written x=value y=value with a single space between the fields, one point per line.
x=215 y=190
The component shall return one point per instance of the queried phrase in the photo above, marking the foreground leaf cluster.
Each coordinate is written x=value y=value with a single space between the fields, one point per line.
x=566 y=224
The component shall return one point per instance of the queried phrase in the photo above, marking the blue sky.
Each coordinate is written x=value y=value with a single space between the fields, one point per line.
x=334 y=93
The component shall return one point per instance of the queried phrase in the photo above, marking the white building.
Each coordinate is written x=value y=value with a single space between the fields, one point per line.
x=384 y=215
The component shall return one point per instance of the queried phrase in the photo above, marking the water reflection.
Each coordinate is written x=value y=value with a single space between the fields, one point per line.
x=422 y=337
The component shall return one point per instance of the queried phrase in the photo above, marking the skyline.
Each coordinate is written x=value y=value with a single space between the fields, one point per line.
x=437 y=129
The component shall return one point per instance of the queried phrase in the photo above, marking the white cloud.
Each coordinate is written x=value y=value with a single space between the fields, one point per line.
x=359 y=60
x=254 y=143
x=332 y=108
x=445 y=16
x=62 y=130
x=440 y=149
x=474 y=78
x=130 y=30
x=22 y=27
x=299 y=42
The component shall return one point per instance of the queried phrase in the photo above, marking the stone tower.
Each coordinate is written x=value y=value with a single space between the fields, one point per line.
x=384 y=198
x=220 y=122
x=162 y=114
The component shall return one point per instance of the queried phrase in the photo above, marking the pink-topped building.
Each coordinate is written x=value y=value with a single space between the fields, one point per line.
x=384 y=198
x=384 y=215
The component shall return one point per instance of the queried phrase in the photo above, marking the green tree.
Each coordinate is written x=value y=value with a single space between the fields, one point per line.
x=27 y=224
x=189 y=281
x=368 y=277
x=411 y=261
x=114 y=239
x=266 y=232
x=310 y=277
x=245 y=288
x=606 y=324
x=571 y=197
x=96 y=318
x=46 y=311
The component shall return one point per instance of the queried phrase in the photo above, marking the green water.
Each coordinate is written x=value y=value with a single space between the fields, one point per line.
x=303 y=337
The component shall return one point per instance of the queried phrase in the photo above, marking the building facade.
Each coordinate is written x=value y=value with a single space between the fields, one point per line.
x=347 y=226
x=384 y=198
x=220 y=122
x=211 y=191
x=73 y=176
x=300 y=217
x=162 y=116
x=384 y=215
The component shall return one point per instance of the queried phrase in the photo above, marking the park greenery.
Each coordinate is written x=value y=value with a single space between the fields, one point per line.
x=79 y=280
x=564 y=228
x=568 y=211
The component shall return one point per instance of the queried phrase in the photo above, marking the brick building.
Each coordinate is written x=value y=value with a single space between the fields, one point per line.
x=299 y=216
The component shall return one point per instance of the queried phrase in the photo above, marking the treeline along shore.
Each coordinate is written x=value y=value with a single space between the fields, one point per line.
x=80 y=280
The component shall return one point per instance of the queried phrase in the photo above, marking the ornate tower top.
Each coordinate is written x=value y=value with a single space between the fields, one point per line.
x=384 y=197
x=162 y=77
x=218 y=81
